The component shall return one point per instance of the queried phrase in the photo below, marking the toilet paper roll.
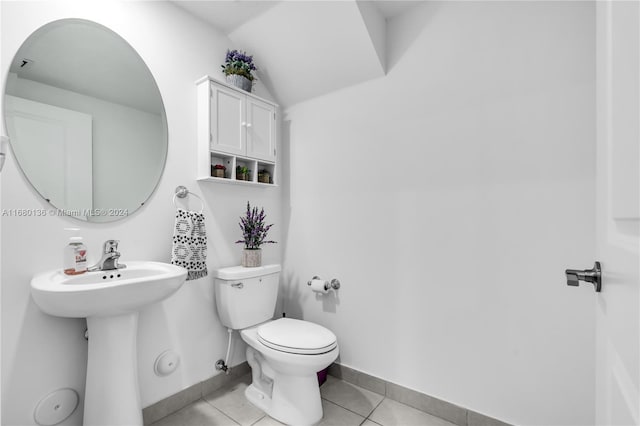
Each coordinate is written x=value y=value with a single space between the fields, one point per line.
x=320 y=286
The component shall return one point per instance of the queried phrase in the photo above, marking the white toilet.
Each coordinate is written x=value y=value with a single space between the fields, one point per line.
x=284 y=354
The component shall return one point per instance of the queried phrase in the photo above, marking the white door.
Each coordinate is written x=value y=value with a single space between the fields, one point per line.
x=261 y=130
x=54 y=149
x=228 y=120
x=618 y=213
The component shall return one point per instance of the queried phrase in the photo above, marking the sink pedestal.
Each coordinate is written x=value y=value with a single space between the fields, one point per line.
x=110 y=301
x=112 y=395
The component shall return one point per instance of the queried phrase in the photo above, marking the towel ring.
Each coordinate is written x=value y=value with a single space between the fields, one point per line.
x=182 y=192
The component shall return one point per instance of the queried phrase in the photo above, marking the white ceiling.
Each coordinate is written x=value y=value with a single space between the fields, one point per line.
x=304 y=49
x=307 y=49
x=392 y=8
x=227 y=15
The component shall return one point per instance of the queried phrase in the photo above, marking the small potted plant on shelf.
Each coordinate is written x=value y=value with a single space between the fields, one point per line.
x=238 y=67
x=242 y=173
x=264 y=176
x=218 y=170
x=254 y=234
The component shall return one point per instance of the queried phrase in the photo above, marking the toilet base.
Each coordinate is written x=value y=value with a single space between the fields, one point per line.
x=285 y=385
x=294 y=400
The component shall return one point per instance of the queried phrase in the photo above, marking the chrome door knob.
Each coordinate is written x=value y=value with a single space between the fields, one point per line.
x=594 y=276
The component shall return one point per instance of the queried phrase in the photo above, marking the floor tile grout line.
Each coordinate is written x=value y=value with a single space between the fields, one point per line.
x=354 y=381
x=375 y=408
x=345 y=408
x=222 y=412
x=358 y=387
x=252 y=424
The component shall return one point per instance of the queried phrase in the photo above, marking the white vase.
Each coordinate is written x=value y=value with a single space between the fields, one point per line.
x=251 y=258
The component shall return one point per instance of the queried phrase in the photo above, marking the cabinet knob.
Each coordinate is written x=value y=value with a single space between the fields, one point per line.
x=243 y=124
x=249 y=124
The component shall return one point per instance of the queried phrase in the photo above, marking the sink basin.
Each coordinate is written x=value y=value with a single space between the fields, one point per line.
x=110 y=301
x=103 y=293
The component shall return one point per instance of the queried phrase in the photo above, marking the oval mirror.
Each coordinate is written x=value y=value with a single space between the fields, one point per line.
x=86 y=120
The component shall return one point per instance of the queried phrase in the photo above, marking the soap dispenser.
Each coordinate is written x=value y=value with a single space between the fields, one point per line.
x=75 y=255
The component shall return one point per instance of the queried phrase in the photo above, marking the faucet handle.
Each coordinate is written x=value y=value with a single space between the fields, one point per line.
x=111 y=246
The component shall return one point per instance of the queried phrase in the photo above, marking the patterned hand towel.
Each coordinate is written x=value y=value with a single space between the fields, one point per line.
x=190 y=244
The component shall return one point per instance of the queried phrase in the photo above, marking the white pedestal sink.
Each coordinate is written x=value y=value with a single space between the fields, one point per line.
x=110 y=301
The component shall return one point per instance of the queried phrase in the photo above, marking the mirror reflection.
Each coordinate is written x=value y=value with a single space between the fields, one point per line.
x=86 y=120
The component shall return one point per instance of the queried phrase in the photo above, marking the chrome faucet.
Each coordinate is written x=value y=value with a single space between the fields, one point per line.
x=110 y=256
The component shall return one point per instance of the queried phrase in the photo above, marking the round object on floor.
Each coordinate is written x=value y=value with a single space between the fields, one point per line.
x=56 y=407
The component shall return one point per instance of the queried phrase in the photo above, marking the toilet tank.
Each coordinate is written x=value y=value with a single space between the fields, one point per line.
x=246 y=296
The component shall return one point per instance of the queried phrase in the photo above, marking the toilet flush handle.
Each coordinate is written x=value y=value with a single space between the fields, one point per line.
x=237 y=285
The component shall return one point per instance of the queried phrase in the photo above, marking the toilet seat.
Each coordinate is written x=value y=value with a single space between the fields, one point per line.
x=296 y=337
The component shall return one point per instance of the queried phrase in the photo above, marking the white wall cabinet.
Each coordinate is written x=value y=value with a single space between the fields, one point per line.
x=227 y=118
x=260 y=128
x=237 y=130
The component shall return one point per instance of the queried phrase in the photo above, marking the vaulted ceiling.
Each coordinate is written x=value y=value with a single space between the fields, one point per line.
x=305 y=49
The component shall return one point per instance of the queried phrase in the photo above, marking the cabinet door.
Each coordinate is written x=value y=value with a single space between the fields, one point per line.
x=227 y=121
x=261 y=130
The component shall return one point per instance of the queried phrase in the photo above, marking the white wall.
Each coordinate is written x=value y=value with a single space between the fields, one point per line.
x=42 y=353
x=448 y=197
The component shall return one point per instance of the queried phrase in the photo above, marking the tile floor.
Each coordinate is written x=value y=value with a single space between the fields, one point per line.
x=344 y=404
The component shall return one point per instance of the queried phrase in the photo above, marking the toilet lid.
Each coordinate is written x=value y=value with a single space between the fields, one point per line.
x=296 y=337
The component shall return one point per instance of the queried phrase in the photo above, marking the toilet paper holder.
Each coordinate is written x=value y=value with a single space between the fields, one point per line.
x=334 y=283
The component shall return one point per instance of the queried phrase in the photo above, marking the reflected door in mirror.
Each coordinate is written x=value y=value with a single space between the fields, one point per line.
x=55 y=145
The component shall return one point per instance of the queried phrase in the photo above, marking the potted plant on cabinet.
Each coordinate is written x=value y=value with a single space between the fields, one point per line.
x=264 y=176
x=242 y=173
x=254 y=233
x=218 y=170
x=238 y=68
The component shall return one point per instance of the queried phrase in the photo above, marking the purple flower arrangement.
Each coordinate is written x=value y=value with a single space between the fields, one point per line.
x=238 y=62
x=254 y=231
